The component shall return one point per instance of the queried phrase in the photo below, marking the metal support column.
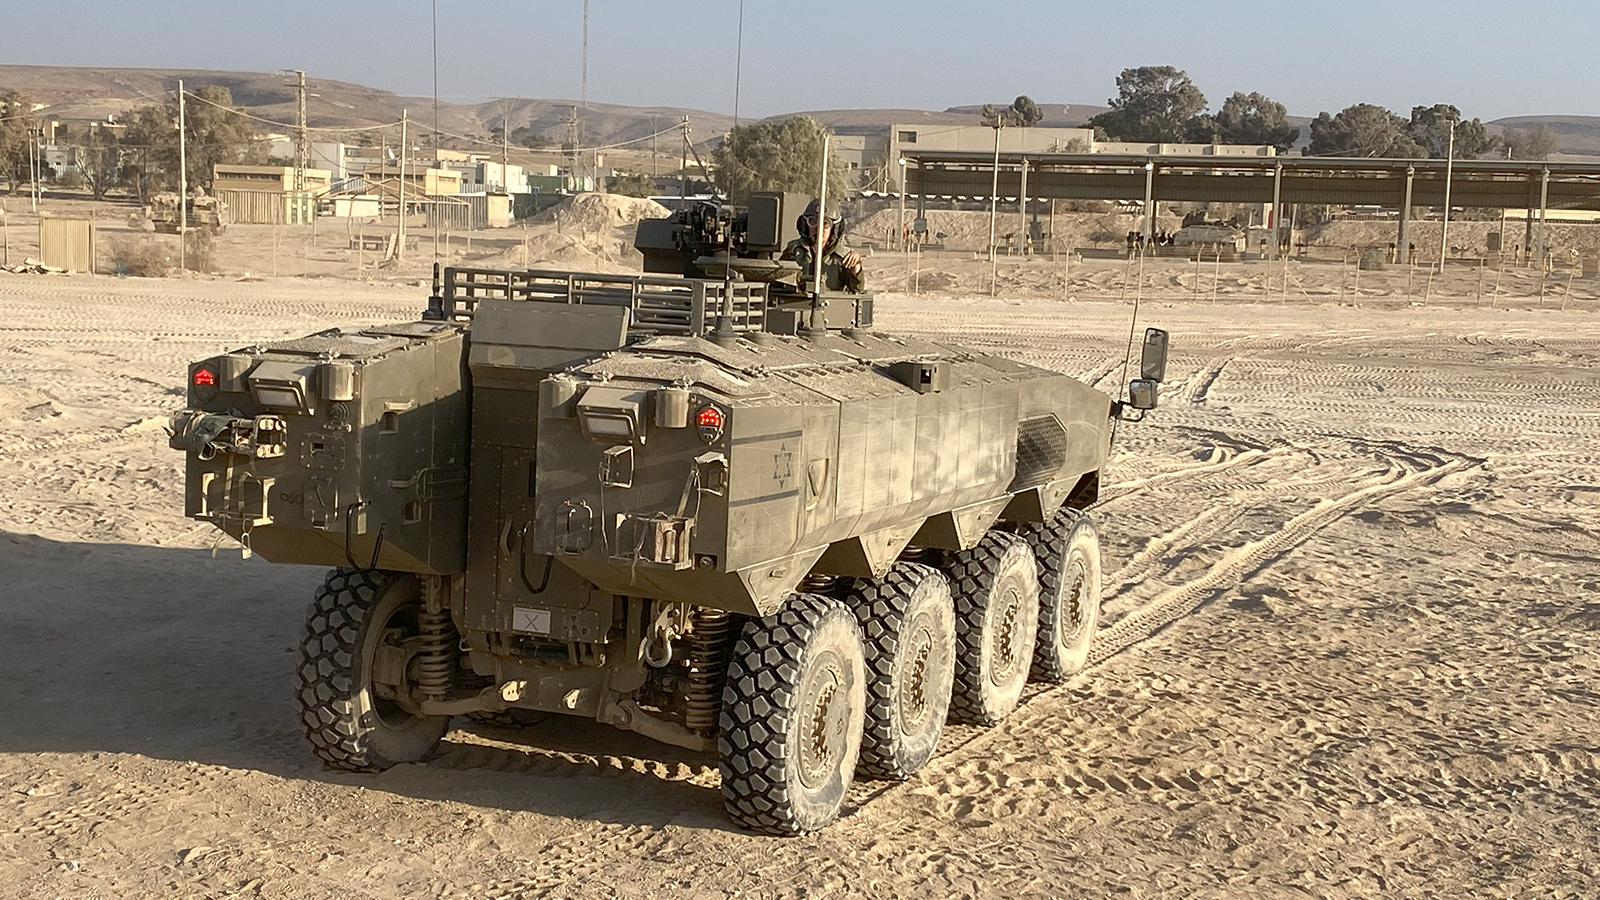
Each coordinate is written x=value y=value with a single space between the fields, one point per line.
x=1149 y=202
x=900 y=236
x=994 y=192
x=1022 y=206
x=1544 y=206
x=922 y=194
x=1402 y=253
x=1277 y=193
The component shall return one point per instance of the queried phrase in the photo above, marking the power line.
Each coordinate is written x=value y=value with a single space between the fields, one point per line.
x=286 y=125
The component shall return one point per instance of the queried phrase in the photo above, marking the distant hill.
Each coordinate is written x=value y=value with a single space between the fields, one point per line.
x=71 y=92
x=87 y=92
x=1575 y=135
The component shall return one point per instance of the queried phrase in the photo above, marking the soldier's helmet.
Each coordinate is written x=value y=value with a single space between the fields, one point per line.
x=808 y=220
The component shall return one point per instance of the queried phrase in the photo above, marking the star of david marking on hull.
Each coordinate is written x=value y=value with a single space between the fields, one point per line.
x=783 y=466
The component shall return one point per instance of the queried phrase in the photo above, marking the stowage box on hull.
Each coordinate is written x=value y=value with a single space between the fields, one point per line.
x=721 y=474
x=337 y=447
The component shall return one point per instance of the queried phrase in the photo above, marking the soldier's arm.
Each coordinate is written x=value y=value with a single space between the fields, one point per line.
x=854 y=277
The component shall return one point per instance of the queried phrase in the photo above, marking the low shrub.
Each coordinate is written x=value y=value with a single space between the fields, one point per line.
x=142 y=257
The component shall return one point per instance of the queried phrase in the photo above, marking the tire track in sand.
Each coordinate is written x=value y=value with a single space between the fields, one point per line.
x=1151 y=617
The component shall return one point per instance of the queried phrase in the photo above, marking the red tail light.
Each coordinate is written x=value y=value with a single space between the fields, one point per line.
x=709 y=417
x=204 y=377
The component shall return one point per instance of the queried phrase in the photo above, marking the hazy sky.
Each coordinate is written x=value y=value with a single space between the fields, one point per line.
x=1492 y=59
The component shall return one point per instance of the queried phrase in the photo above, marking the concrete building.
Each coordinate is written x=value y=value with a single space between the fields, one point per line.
x=266 y=195
x=327 y=155
x=277 y=179
x=419 y=181
x=981 y=137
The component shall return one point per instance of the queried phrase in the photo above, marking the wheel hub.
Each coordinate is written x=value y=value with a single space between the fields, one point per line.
x=913 y=696
x=824 y=718
x=1006 y=636
x=1075 y=595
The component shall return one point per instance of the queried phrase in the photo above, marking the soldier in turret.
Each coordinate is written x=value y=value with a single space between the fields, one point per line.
x=841 y=267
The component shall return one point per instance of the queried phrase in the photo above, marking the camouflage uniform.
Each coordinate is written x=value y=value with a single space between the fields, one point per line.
x=834 y=275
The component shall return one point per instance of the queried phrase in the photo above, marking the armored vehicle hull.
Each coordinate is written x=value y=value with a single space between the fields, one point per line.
x=665 y=504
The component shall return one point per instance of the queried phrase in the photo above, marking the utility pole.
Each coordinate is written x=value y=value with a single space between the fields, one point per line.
x=585 y=97
x=183 y=184
x=400 y=237
x=33 y=165
x=571 y=147
x=302 y=135
x=683 y=166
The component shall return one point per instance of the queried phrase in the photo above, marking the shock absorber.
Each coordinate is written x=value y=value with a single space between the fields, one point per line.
x=436 y=660
x=710 y=646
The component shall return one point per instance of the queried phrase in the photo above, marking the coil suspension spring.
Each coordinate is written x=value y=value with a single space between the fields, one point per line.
x=711 y=639
x=815 y=583
x=436 y=661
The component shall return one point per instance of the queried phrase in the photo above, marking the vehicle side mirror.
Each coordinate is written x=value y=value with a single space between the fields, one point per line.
x=1142 y=394
x=1153 y=361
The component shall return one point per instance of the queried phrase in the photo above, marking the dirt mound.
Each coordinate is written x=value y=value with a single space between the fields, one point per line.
x=600 y=212
x=549 y=250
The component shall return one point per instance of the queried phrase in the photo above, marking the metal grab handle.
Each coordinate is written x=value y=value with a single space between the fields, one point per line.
x=377 y=545
x=522 y=563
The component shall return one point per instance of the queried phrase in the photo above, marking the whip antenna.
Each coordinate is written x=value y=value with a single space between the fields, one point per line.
x=738 y=64
x=817 y=248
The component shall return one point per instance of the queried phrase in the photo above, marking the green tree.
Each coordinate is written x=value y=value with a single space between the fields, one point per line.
x=1430 y=127
x=631 y=184
x=100 y=159
x=17 y=126
x=1246 y=119
x=1537 y=142
x=1022 y=113
x=525 y=136
x=1363 y=130
x=783 y=155
x=215 y=131
x=148 y=135
x=1153 y=103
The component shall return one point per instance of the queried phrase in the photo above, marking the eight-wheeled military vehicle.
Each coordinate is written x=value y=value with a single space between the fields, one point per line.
x=714 y=507
x=161 y=215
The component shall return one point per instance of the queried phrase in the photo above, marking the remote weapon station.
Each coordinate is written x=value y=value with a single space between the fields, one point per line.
x=709 y=504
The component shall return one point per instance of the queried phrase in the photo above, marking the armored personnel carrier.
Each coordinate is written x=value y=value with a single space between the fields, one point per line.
x=710 y=507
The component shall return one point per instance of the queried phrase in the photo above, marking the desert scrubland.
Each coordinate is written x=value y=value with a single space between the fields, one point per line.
x=1349 y=646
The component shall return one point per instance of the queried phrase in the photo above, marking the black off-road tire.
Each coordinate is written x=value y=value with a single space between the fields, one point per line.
x=791 y=718
x=1068 y=550
x=349 y=726
x=996 y=589
x=908 y=621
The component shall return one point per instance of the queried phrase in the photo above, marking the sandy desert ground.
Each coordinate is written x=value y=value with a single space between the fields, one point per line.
x=1350 y=642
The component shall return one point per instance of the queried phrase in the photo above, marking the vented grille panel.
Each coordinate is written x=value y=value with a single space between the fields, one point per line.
x=1041 y=451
